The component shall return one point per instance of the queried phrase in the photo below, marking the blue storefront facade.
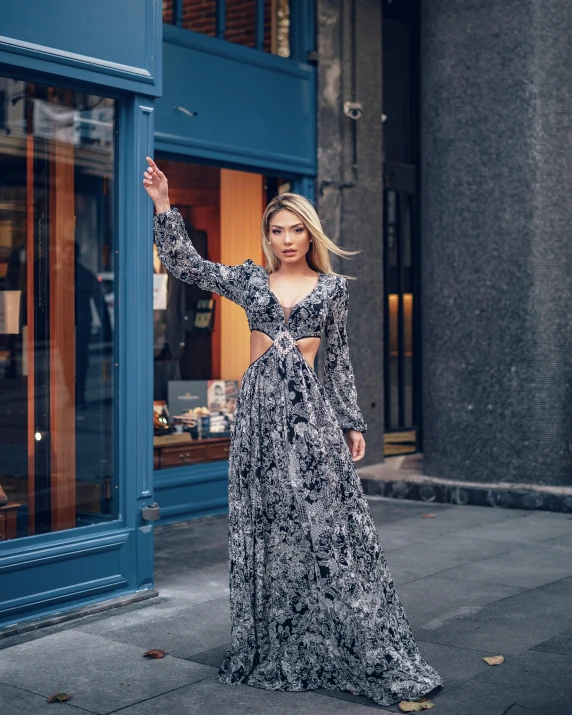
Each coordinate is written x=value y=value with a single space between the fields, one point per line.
x=95 y=340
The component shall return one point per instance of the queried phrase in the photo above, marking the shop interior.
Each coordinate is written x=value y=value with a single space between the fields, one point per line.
x=201 y=341
x=57 y=152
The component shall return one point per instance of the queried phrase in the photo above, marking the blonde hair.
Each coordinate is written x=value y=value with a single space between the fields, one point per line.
x=318 y=255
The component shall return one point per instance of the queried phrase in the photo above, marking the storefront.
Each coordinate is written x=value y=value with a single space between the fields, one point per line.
x=95 y=338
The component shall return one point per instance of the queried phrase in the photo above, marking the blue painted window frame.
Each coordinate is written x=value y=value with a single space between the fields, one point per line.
x=133 y=440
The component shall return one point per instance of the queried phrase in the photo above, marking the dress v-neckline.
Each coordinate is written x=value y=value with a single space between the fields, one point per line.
x=292 y=308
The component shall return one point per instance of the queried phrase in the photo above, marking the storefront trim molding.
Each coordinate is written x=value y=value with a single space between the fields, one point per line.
x=208 y=472
x=227 y=154
x=234 y=52
x=52 y=54
x=44 y=553
x=134 y=397
x=105 y=561
x=144 y=76
x=187 y=492
x=235 y=105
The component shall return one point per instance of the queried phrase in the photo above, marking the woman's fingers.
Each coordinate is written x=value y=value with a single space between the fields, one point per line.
x=358 y=448
x=153 y=169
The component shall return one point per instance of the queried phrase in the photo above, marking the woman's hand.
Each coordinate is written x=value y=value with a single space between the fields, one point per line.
x=356 y=443
x=156 y=185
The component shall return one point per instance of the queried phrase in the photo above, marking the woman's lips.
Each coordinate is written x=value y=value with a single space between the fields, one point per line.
x=289 y=252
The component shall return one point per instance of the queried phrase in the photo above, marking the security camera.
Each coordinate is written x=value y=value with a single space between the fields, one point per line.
x=353 y=110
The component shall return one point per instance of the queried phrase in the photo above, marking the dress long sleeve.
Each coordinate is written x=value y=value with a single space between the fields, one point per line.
x=183 y=261
x=339 y=382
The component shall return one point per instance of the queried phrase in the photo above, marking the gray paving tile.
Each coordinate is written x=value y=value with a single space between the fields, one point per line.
x=212 y=657
x=529 y=567
x=455 y=664
x=458 y=613
x=101 y=675
x=532 y=528
x=14 y=701
x=8 y=642
x=563 y=585
x=433 y=600
x=161 y=610
x=510 y=626
x=562 y=541
x=562 y=644
x=452 y=519
x=397 y=536
x=531 y=683
x=180 y=630
x=433 y=556
x=193 y=545
x=356 y=699
x=195 y=585
x=392 y=511
x=208 y=696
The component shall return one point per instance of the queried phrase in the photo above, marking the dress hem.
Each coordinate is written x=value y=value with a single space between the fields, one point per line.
x=286 y=688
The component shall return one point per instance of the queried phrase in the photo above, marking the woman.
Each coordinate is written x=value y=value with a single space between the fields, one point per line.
x=312 y=602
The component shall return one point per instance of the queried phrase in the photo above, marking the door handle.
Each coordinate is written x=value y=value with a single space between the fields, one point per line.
x=152 y=512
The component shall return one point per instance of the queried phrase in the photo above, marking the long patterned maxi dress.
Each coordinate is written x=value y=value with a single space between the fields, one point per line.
x=312 y=602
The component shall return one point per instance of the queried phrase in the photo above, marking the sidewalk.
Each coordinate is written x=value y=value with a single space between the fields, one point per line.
x=474 y=581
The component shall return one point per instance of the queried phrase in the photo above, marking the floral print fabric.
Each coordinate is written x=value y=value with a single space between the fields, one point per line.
x=312 y=602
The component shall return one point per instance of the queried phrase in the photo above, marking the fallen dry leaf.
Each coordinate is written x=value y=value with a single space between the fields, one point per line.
x=427 y=516
x=415 y=706
x=59 y=698
x=494 y=659
x=155 y=653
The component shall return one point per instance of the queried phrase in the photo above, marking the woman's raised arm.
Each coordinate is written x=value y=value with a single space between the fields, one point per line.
x=178 y=253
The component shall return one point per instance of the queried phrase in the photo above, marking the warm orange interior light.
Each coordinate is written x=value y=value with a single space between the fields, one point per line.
x=408 y=323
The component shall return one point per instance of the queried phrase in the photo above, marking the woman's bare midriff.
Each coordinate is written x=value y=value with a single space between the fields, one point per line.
x=260 y=343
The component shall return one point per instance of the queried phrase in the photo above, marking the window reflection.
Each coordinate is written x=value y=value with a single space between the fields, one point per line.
x=57 y=287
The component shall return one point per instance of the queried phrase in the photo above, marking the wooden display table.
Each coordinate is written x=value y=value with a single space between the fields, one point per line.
x=189 y=452
x=8 y=521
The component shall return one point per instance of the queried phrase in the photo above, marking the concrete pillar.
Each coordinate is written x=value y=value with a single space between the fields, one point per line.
x=349 y=187
x=496 y=240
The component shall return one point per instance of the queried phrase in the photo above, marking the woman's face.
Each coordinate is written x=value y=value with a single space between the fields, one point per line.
x=289 y=237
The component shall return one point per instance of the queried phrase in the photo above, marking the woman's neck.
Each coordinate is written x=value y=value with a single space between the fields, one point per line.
x=296 y=270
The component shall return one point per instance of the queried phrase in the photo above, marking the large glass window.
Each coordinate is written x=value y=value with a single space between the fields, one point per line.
x=201 y=341
x=57 y=291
